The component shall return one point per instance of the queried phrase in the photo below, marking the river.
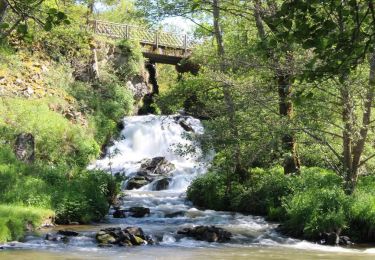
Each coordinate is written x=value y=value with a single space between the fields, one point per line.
x=147 y=137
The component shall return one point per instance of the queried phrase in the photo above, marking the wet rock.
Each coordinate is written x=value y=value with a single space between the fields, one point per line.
x=136 y=183
x=345 y=241
x=206 y=233
x=186 y=126
x=119 y=213
x=157 y=165
x=130 y=236
x=105 y=238
x=56 y=238
x=175 y=214
x=331 y=239
x=68 y=233
x=162 y=184
x=139 y=212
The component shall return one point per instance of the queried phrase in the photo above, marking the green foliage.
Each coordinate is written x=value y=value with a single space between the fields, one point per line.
x=316 y=210
x=13 y=220
x=264 y=192
x=209 y=191
x=131 y=59
x=75 y=195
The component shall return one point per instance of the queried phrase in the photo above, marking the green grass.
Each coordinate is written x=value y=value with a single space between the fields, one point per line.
x=13 y=220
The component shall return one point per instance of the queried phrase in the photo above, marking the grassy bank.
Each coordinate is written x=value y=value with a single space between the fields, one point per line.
x=13 y=220
x=307 y=205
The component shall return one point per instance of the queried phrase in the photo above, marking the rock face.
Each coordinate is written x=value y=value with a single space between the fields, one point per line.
x=24 y=147
x=150 y=170
x=206 y=233
x=130 y=236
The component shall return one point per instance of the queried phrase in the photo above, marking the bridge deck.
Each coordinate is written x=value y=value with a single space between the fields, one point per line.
x=159 y=46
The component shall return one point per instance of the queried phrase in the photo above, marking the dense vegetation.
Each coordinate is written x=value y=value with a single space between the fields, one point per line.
x=48 y=91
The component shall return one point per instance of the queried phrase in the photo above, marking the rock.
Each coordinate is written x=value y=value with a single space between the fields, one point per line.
x=136 y=183
x=139 y=212
x=175 y=214
x=331 y=239
x=68 y=233
x=186 y=126
x=56 y=238
x=24 y=147
x=157 y=165
x=130 y=236
x=119 y=213
x=135 y=231
x=105 y=238
x=206 y=233
x=136 y=240
x=162 y=184
x=345 y=241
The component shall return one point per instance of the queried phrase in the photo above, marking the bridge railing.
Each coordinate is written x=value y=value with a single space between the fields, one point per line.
x=143 y=35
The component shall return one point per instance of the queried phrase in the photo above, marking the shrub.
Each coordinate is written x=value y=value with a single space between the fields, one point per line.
x=362 y=210
x=264 y=191
x=209 y=191
x=316 y=210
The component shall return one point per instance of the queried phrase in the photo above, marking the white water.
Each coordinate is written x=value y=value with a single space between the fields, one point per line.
x=146 y=137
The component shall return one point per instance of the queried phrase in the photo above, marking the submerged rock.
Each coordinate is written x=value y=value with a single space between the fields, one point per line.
x=136 y=183
x=206 y=233
x=119 y=213
x=68 y=233
x=130 y=236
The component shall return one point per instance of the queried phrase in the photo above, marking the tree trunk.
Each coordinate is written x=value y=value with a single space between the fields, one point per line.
x=284 y=86
x=291 y=162
x=90 y=10
x=353 y=153
x=3 y=9
x=230 y=107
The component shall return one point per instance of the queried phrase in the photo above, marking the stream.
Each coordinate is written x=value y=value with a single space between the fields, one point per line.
x=173 y=139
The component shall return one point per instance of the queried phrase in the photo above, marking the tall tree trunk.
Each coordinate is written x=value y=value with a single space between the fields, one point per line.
x=353 y=153
x=3 y=9
x=230 y=107
x=284 y=79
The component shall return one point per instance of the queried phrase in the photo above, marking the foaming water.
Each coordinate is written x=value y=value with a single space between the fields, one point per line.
x=147 y=137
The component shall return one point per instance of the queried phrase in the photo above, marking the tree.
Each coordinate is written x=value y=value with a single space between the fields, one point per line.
x=340 y=35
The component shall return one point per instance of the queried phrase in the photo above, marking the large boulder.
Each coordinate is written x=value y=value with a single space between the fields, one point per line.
x=207 y=233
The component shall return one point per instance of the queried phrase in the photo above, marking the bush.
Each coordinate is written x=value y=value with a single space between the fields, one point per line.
x=208 y=191
x=315 y=211
x=264 y=192
x=362 y=211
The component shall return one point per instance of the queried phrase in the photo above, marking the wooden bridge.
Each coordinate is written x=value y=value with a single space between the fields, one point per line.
x=158 y=46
